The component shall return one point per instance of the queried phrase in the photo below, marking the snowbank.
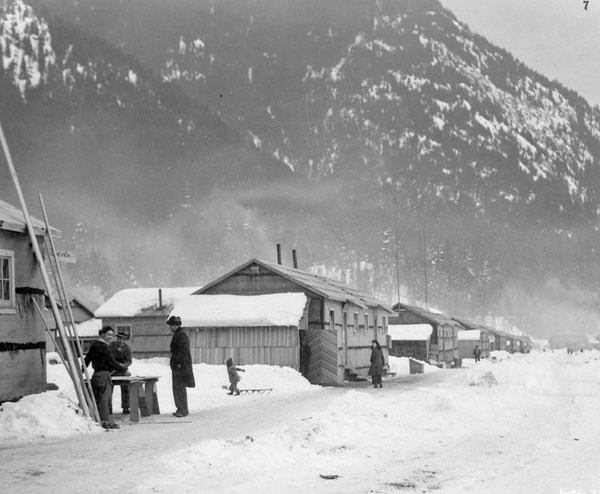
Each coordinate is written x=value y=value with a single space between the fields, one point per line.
x=279 y=309
x=45 y=415
x=55 y=414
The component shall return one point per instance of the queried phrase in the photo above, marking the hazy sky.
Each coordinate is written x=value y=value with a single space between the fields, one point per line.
x=557 y=38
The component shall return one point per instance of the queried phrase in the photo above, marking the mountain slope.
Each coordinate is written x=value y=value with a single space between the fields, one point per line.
x=408 y=138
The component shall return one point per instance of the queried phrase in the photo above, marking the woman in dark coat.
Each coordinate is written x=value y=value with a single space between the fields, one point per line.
x=377 y=364
x=181 y=366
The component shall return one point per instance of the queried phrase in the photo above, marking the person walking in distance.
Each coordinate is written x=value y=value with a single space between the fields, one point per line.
x=377 y=364
x=477 y=353
x=181 y=366
x=122 y=354
x=104 y=364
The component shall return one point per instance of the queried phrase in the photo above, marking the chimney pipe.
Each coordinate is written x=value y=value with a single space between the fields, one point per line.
x=160 y=298
x=278 y=253
x=295 y=258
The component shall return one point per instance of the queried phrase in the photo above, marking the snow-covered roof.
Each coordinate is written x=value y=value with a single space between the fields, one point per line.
x=88 y=328
x=410 y=332
x=278 y=309
x=470 y=335
x=13 y=219
x=132 y=301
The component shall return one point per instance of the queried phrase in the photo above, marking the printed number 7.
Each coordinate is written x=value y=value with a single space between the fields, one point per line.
x=585 y=4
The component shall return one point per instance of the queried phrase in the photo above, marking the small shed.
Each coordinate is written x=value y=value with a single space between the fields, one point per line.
x=22 y=334
x=138 y=315
x=340 y=320
x=473 y=334
x=250 y=329
x=410 y=340
x=443 y=343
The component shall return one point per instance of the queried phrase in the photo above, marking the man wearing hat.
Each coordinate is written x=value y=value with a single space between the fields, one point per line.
x=181 y=366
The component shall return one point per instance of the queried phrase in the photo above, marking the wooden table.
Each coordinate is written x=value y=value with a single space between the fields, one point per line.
x=142 y=395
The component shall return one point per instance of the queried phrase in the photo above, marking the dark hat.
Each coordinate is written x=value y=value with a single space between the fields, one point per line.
x=174 y=321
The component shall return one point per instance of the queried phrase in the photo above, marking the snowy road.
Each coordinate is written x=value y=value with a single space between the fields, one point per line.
x=527 y=424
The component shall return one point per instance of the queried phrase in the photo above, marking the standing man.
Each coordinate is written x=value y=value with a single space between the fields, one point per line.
x=104 y=364
x=122 y=354
x=477 y=353
x=181 y=366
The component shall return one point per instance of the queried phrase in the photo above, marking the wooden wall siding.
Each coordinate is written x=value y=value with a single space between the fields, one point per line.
x=415 y=349
x=244 y=337
x=23 y=372
x=246 y=346
x=246 y=282
x=323 y=364
x=406 y=317
x=285 y=357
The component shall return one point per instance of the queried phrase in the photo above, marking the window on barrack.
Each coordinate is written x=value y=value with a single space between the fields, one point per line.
x=7 y=276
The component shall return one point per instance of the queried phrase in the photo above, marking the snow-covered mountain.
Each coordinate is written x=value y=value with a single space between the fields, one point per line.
x=389 y=121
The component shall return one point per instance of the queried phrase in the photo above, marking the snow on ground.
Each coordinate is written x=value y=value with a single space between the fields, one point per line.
x=511 y=424
x=55 y=413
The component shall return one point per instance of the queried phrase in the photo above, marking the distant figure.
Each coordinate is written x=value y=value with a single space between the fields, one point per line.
x=305 y=353
x=122 y=354
x=377 y=364
x=181 y=366
x=234 y=377
x=477 y=353
x=104 y=364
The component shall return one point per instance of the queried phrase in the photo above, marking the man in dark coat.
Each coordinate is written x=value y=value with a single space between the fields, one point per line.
x=181 y=366
x=477 y=353
x=104 y=364
x=122 y=354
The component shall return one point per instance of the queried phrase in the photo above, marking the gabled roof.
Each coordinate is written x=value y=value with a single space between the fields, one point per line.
x=13 y=219
x=320 y=285
x=432 y=317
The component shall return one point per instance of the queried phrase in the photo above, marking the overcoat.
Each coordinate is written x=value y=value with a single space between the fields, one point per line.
x=377 y=362
x=181 y=359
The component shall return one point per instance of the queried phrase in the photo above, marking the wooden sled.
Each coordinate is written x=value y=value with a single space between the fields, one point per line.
x=263 y=391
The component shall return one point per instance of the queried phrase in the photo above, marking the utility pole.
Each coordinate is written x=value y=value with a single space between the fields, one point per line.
x=397 y=247
x=425 y=268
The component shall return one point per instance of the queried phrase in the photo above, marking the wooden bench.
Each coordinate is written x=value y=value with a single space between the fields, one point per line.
x=143 y=399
